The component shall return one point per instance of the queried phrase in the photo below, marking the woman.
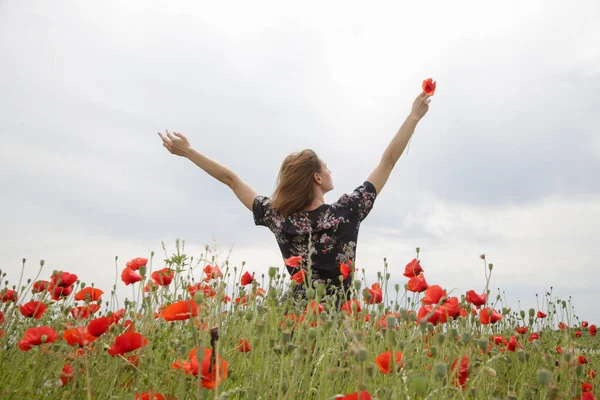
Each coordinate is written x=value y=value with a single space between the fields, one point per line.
x=303 y=224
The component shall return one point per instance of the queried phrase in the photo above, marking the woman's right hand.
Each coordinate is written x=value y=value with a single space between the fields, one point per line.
x=420 y=106
x=176 y=143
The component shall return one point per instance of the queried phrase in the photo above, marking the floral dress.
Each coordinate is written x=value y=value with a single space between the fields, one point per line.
x=330 y=230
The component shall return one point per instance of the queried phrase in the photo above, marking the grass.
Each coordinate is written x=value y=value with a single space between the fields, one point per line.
x=296 y=351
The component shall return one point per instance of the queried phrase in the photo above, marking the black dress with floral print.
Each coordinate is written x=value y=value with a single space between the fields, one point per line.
x=331 y=230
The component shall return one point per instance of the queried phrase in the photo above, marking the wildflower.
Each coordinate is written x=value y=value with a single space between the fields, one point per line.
x=244 y=346
x=521 y=329
x=33 y=309
x=63 y=279
x=127 y=342
x=314 y=308
x=488 y=315
x=345 y=270
x=299 y=277
x=412 y=269
x=293 y=262
x=40 y=286
x=8 y=295
x=129 y=276
x=59 y=292
x=163 y=276
x=89 y=294
x=512 y=344
x=348 y=307
x=533 y=336
x=151 y=286
x=37 y=336
x=98 y=326
x=376 y=294
x=591 y=374
x=363 y=395
x=477 y=300
x=582 y=360
x=541 y=314
x=417 y=284
x=593 y=331
x=429 y=86
x=563 y=326
x=434 y=317
x=211 y=371
x=584 y=324
x=151 y=395
x=433 y=295
x=84 y=312
x=66 y=374
x=116 y=316
x=246 y=279
x=212 y=272
x=180 y=310
x=587 y=396
x=578 y=333
x=384 y=359
x=463 y=372
x=206 y=289
x=586 y=387
x=1 y=318
x=80 y=336
x=559 y=350
x=137 y=263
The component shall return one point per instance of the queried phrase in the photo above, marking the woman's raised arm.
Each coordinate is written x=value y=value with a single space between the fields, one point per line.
x=178 y=144
x=394 y=150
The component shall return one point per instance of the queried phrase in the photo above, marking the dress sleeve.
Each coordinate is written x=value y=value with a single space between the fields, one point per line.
x=263 y=213
x=360 y=201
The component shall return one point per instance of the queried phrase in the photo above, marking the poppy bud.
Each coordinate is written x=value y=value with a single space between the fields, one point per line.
x=418 y=250
x=491 y=266
x=532 y=312
x=362 y=355
x=272 y=272
x=260 y=327
x=452 y=332
x=440 y=370
x=390 y=321
x=312 y=333
x=310 y=293
x=522 y=313
x=43 y=338
x=412 y=316
x=543 y=377
x=328 y=324
x=286 y=336
x=387 y=276
x=397 y=287
x=418 y=383
x=567 y=357
x=434 y=351
x=528 y=394
x=249 y=315
x=441 y=338
x=403 y=314
x=579 y=370
x=482 y=344
x=199 y=297
x=465 y=338
x=523 y=355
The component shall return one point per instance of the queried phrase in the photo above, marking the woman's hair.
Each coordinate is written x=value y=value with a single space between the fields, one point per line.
x=294 y=190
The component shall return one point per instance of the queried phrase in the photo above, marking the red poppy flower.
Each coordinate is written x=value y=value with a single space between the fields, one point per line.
x=129 y=276
x=127 y=342
x=129 y=326
x=116 y=316
x=384 y=360
x=450 y=308
x=434 y=318
x=533 y=336
x=591 y=373
x=151 y=395
x=63 y=279
x=578 y=333
x=299 y=277
x=540 y=315
x=293 y=262
x=512 y=344
x=486 y=318
x=33 y=309
x=244 y=346
x=8 y=295
x=66 y=375
x=345 y=270
x=499 y=340
x=582 y=360
x=212 y=272
x=1 y=318
x=586 y=387
x=40 y=286
x=433 y=295
x=462 y=375
x=559 y=350
x=98 y=326
x=417 y=284
x=476 y=299
x=151 y=286
x=211 y=373
x=521 y=329
x=37 y=336
x=364 y=395
x=314 y=308
x=247 y=279
x=163 y=276
x=429 y=86
x=80 y=336
x=563 y=326
x=587 y=396
x=593 y=331
x=136 y=263
x=347 y=306
x=206 y=289
x=89 y=294
x=376 y=294
x=584 y=324
x=412 y=269
x=180 y=310
x=59 y=292
x=84 y=312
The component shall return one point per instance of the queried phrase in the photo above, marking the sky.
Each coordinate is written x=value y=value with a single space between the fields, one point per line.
x=505 y=162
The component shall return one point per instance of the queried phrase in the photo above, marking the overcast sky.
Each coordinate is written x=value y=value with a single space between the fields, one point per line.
x=505 y=163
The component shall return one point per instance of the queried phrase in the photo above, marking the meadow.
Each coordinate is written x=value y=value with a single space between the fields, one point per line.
x=193 y=329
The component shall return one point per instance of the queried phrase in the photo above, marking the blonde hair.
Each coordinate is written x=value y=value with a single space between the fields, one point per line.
x=294 y=191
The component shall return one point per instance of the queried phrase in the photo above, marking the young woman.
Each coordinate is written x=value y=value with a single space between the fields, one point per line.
x=303 y=224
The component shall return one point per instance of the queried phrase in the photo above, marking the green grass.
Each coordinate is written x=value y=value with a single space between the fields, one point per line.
x=325 y=355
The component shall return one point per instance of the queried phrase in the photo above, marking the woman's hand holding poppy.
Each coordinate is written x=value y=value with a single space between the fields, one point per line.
x=420 y=106
x=176 y=143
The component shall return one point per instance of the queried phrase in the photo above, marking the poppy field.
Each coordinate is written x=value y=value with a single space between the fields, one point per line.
x=192 y=329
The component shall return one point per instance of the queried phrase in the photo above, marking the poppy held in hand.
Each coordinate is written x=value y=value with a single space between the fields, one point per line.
x=429 y=86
